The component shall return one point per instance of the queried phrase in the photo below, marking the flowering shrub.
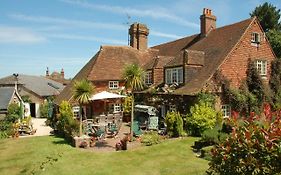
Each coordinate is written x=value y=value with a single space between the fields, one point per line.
x=254 y=146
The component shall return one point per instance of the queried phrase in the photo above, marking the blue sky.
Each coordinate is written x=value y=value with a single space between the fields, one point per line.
x=67 y=33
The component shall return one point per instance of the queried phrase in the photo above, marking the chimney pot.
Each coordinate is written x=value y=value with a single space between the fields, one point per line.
x=62 y=73
x=208 y=22
x=47 y=72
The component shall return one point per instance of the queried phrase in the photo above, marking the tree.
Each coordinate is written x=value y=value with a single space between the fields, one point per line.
x=268 y=16
x=134 y=80
x=274 y=37
x=82 y=93
x=255 y=84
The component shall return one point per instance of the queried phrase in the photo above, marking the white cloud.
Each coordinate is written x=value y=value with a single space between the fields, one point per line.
x=153 y=13
x=63 y=21
x=86 y=38
x=19 y=35
x=165 y=35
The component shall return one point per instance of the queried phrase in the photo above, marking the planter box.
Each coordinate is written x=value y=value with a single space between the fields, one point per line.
x=78 y=140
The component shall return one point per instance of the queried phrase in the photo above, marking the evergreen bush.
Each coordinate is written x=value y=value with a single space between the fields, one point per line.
x=202 y=116
x=174 y=124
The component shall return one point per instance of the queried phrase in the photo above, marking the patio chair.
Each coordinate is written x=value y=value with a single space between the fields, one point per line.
x=136 y=129
x=100 y=133
x=113 y=129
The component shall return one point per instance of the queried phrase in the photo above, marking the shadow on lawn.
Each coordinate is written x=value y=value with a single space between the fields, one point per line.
x=61 y=141
x=103 y=144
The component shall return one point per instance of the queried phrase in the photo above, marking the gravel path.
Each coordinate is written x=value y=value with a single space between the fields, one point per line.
x=41 y=128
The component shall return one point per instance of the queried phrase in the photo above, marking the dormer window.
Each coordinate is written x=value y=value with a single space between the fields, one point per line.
x=255 y=38
x=113 y=84
x=148 y=78
x=174 y=75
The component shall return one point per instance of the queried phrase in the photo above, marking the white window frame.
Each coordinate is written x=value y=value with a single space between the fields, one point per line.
x=148 y=77
x=76 y=110
x=113 y=84
x=174 y=75
x=117 y=107
x=226 y=110
x=256 y=37
x=261 y=66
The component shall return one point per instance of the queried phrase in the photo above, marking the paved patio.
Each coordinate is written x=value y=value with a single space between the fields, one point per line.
x=108 y=144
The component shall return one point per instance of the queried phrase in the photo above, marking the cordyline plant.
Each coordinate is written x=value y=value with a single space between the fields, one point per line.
x=254 y=146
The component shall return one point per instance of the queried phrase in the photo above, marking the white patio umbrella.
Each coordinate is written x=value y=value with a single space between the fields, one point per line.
x=105 y=95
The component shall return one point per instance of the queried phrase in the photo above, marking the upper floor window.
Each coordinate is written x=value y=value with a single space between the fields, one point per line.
x=226 y=110
x=148 y=78
x=261 y=66
x=174 y=75
x=255 y=38
x=113 y=84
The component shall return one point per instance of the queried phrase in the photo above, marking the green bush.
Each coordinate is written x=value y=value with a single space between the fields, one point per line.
x=174 y=124
x=13 y=113
x=44 y=110
x=254 y=147
x=150 y=138
x=214 y=136
x=207 y=154
x=66 y=124
x=202 y=116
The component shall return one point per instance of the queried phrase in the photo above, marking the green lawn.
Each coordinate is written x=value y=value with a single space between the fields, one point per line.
x=27 y=155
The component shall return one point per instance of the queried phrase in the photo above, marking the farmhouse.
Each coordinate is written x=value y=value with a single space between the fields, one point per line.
x=178 y=70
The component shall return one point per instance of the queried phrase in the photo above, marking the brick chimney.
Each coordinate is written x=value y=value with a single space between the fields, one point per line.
x=138 y=36
x=62 y=73
x=208 y=22
x=47 y=72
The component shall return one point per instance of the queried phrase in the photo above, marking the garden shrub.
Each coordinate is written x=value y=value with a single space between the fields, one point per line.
x=13 y=113
x=6 y=125
x=254 y=146
x=66 y=124
x=202 y=116
x=150 y=138
x=214 y=136
x=44 y=110
x=174 y=124
x=206 y=153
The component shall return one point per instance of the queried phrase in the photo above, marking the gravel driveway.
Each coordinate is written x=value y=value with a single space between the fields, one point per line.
x=41 y=128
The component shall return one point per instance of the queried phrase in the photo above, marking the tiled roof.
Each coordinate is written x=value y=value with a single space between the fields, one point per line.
x=40 y=85
x=158 y=62
x=6 y=93
x=216 y=46
x=108 y=64
x=112 y=59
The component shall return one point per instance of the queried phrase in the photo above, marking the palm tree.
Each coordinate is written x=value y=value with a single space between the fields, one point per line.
x=82 y=93
x=134 y=80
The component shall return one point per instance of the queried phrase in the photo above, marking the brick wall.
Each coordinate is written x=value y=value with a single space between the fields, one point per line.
x=235 y=66
x=158 y=75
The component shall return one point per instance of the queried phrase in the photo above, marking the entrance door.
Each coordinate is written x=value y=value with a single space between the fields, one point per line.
x=32 y=110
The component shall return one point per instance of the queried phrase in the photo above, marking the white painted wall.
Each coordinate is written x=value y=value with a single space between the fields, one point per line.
x=37 y=110
x=26 y=109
